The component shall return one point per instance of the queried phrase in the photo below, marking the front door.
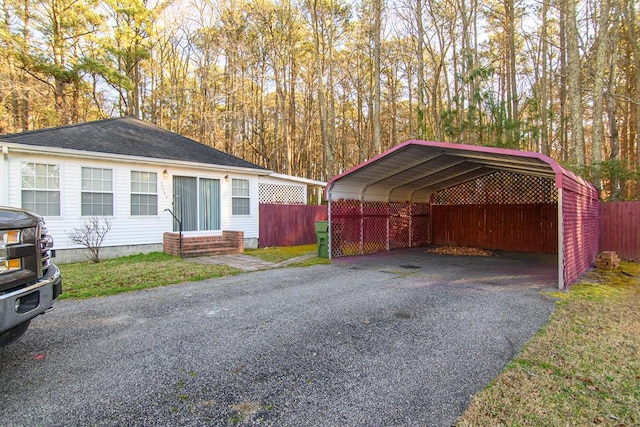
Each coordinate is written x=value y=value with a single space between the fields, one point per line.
x=196 y=203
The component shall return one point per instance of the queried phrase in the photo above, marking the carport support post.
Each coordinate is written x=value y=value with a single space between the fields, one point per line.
x=361 y=226
x=329 y=243
x=410 y=224
x=388 y=224
x=560 y=242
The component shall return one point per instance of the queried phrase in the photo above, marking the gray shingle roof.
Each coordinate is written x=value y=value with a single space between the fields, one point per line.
x=127 y=136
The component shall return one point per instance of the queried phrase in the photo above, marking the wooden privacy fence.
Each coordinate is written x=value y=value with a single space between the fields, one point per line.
x=529 y=228
x=620 y=229
x=289 y=225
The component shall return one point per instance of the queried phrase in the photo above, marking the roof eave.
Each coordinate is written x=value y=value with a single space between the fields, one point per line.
x=307 y=181
x=66 y=152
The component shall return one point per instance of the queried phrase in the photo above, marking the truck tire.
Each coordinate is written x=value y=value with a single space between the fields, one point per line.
x=14 y=333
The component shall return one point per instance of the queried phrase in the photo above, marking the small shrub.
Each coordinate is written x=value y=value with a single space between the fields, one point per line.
x=91 y=234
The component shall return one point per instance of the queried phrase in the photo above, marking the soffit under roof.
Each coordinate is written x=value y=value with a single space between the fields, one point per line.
x=420 y=168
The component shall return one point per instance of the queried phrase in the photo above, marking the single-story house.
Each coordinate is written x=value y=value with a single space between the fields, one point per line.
x=145 y=180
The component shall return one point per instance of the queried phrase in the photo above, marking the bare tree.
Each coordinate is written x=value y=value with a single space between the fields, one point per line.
x=91 y=234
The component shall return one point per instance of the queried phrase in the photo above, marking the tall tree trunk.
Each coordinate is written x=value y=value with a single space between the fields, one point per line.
x=14 y=94
x=463 y=65
x=25 y=108
x=324 y=132
x=514 y=128
x=574 y=83
x=360 y=136
x=230 y=99
x=600 y=67
x=632 y=22
x=614 y=185
x=60 y=79
x=292 y=114
x=377 y=11
x=544 y=94
x=422 y=128
x=565 y=146
x=133 y=98
x=331 y=123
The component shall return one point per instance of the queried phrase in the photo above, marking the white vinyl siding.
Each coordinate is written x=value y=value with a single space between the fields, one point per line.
x=144 y=193
x=131 y=229
x=41 y=188
x=97 y=192
x=240 y=198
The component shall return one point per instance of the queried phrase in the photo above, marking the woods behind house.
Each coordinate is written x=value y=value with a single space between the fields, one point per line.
x=313 y=87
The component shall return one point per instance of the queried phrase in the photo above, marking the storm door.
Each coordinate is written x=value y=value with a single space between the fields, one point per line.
x=196 y=203
x=209 y=204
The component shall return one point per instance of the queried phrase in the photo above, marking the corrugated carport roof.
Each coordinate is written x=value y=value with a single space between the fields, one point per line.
x=411 y=172
x=416 y=169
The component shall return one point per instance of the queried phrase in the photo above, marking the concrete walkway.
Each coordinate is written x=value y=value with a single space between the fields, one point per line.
x=247 y=262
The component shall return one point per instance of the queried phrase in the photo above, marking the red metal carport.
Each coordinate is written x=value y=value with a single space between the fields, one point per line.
x=420 y=193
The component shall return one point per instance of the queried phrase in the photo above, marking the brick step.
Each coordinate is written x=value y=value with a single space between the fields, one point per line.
x=204 y=245
x=230 y=242
x=209 y=252
x=209 y=239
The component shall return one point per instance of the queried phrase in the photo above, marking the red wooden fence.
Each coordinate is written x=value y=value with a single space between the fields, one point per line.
x=289 y=225
x=520 y=228
x=620 y=229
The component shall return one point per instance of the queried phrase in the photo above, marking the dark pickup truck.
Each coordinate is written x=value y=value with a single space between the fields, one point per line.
x=29 y=281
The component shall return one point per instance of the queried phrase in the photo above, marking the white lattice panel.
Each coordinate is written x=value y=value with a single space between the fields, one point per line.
x=282 y=194
x=500 y=188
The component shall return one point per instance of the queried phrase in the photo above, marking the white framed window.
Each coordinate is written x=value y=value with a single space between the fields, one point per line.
x=240 y=200
x=144 y=193
x=97 y=192
x=41 y=188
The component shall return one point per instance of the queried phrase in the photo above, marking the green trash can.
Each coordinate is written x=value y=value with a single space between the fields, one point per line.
x=322 y=235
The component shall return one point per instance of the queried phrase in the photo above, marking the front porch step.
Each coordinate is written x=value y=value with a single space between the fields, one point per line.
x=221 y=250
x=204 y=245
x=230 y=242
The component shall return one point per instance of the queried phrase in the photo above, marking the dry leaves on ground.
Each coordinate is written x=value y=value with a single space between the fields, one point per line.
x=459 y=251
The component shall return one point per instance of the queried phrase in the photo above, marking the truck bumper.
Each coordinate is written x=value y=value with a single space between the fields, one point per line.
x=24 y=304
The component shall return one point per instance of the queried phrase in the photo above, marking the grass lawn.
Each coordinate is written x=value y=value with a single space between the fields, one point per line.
x=135 y=272
x=279 y=254
x=582 y=369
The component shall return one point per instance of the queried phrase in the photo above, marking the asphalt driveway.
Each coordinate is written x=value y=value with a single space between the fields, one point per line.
x=401 y=338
